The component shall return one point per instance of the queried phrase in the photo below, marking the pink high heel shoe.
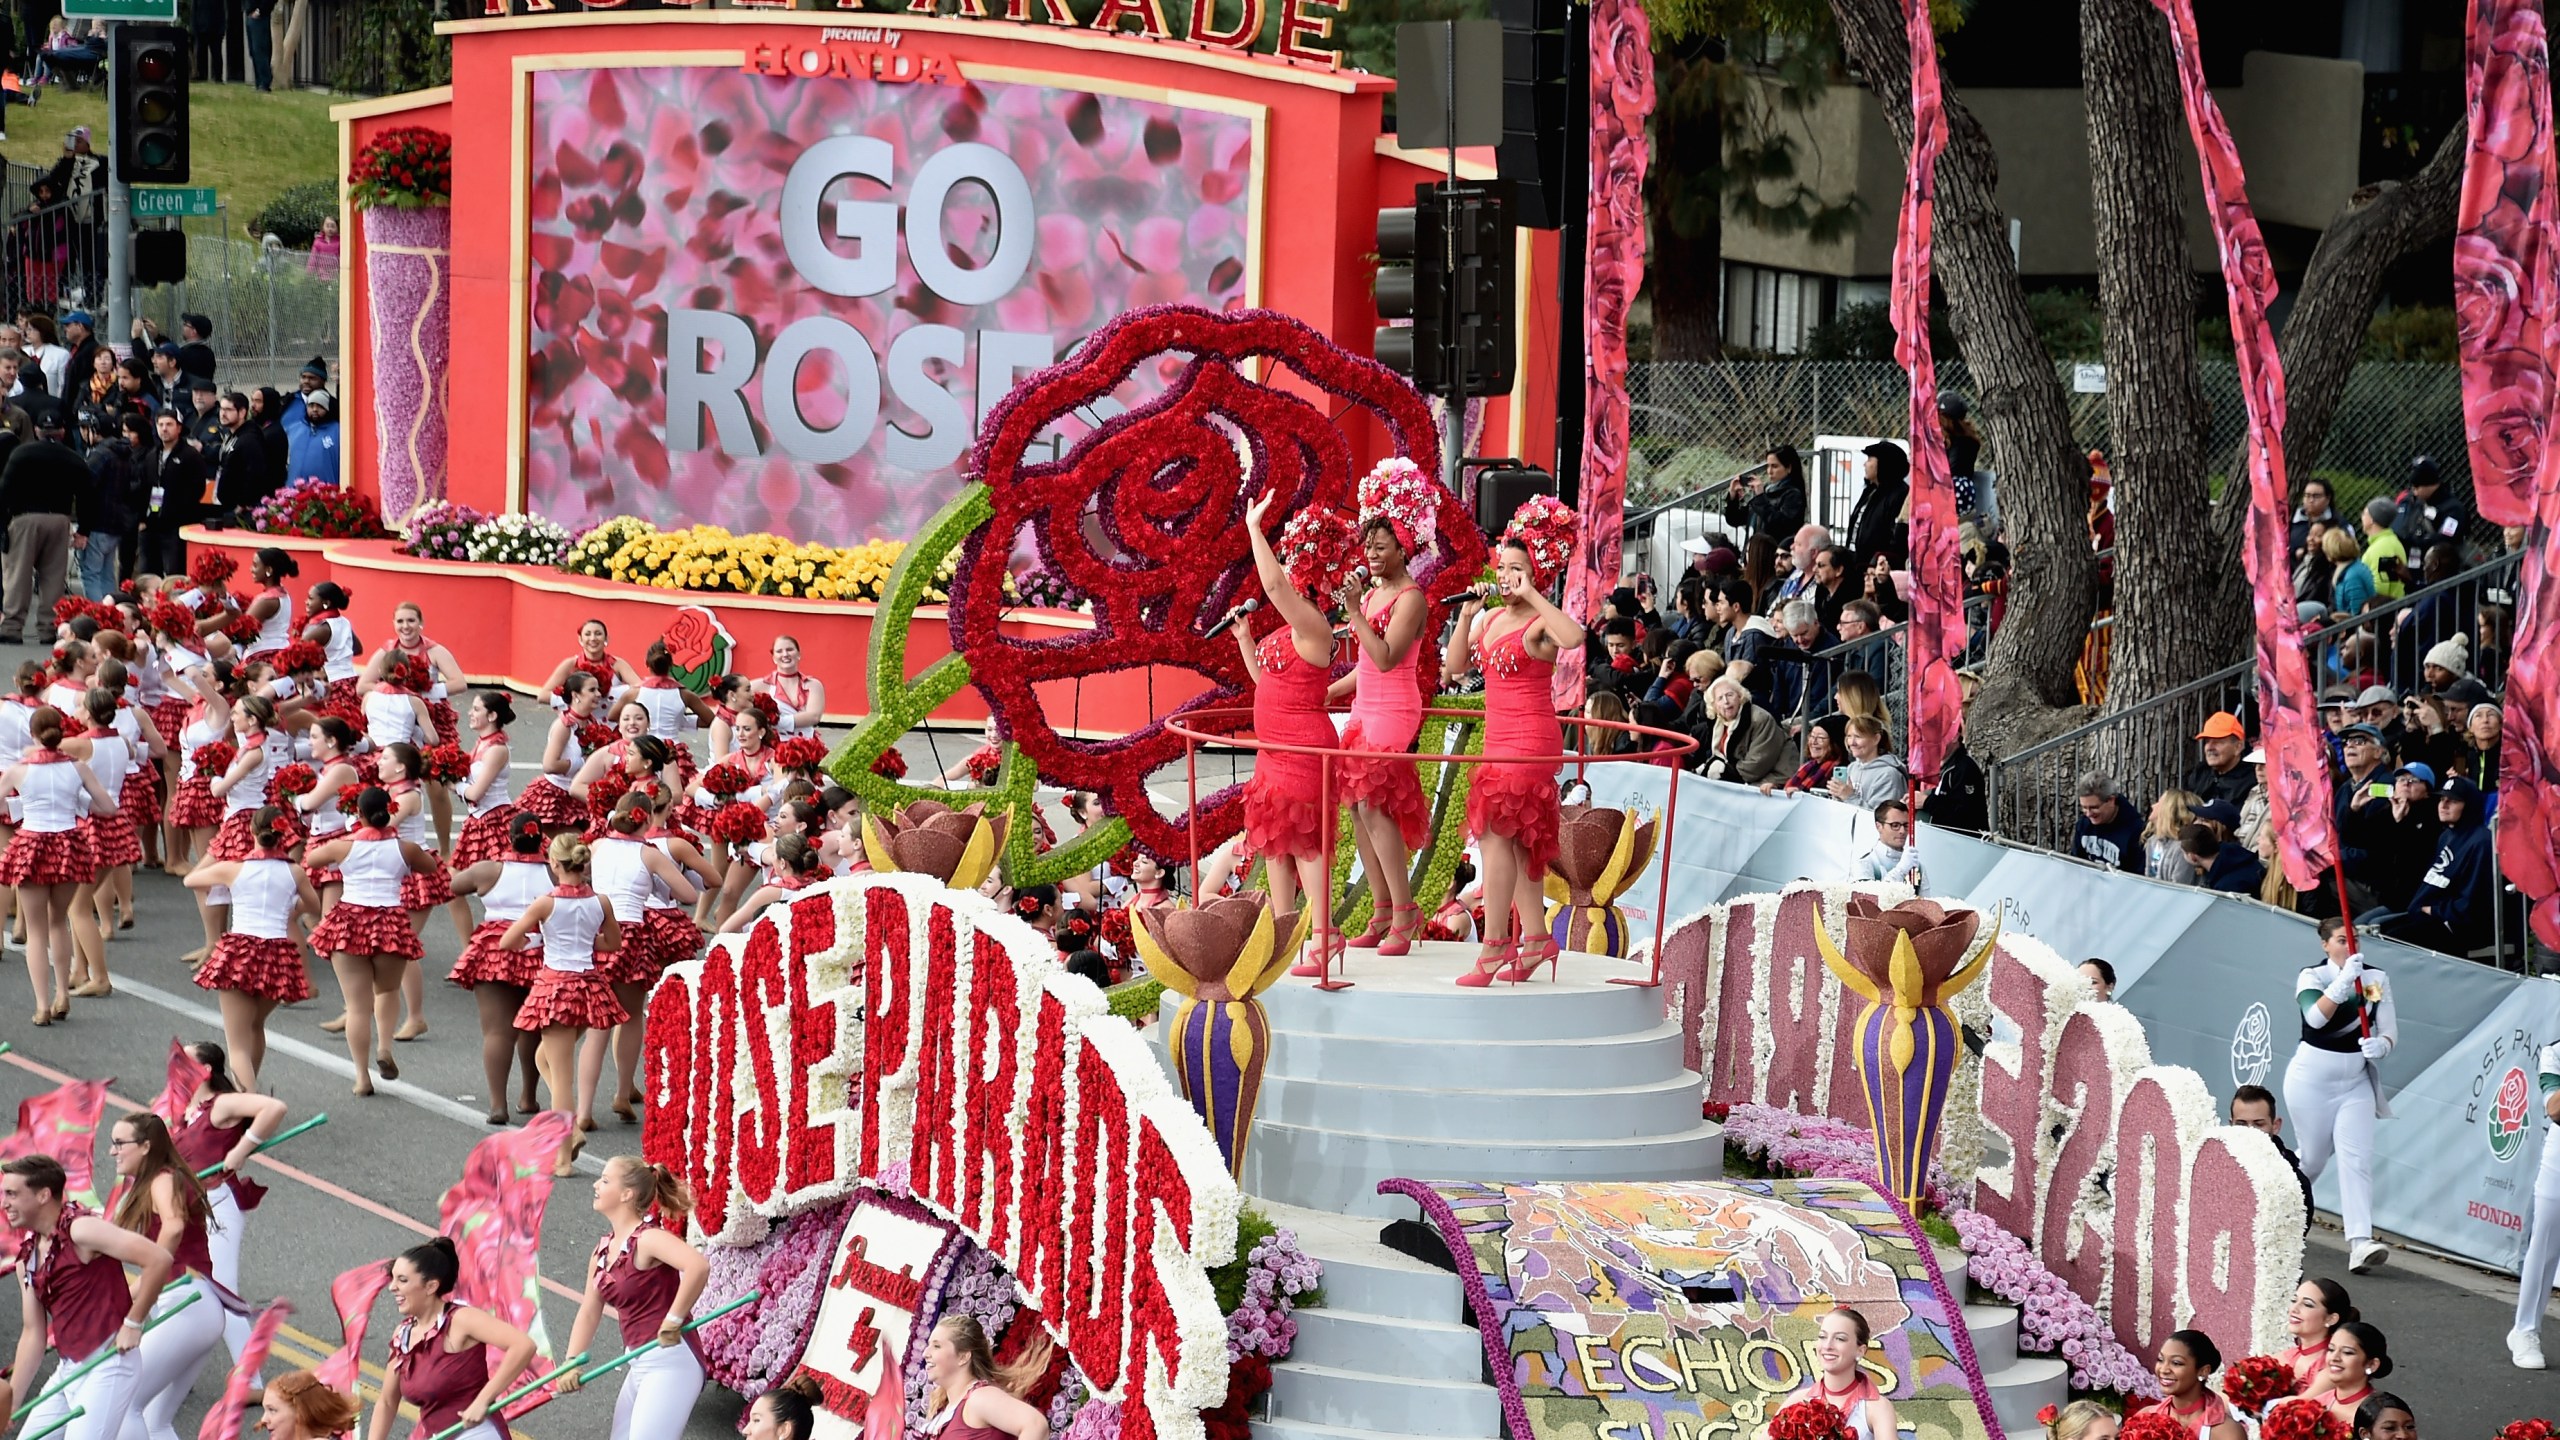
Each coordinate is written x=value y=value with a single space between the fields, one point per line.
x=1378 y=929
x=1497 y=953
x=1401 y=934
x=1312 y=964
x=1526 y=966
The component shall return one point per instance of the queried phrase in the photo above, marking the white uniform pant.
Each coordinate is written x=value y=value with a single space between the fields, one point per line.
x=2331 y=1097
x=658 y=1391
x=106 y=1393
x=167 y=1362
x=2542 y=1242
x=225 y=1227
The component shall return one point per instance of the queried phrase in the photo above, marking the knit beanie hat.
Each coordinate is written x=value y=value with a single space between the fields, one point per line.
x=2452 y=655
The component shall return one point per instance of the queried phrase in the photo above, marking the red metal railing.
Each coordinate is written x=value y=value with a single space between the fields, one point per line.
x=1679 y=746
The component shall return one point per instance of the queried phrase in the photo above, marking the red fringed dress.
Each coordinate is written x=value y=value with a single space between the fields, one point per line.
x=338 y=657
x=439 y=709
x=547 y=795
x=1519 y=800
x=257 y=955
x=241 y=803
x=572 y=988
x=1283 y=802
x=49 y=847
x=419 y=891
x=672 y=937
x=1386 y=713
x=484 y=835
x=520 y=882
x=620 y=868
x=369 y=918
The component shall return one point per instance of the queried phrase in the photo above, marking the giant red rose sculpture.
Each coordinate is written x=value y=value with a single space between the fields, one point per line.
x=1165 y=485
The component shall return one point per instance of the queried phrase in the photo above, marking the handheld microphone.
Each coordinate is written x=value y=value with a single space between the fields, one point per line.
x=1228 y=620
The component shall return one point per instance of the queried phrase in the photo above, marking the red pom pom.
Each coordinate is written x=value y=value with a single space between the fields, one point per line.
x=737 y=823
x=1809 y=1419
x=605 y=790
x=1115 y=928
x=594 y=735
x=215 y=758
x=171 y=619
x=889 y=764
x=294 y=779
x=300 y=657
x=2153 y=1422
x=985 y=764
x=211 y=567
x=808 y=752
x=2299 y=1419
x=725 y=780
x=2253 y=1383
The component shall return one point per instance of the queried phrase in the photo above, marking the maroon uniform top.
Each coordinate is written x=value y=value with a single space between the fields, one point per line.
x=957 y=1427
x=85 y=1301
x=640 y=1297
x=441 y=1383
x=201 y=1143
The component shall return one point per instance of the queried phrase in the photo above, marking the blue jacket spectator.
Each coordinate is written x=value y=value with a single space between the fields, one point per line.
x=311 y=437
x=2221 y=864
x=2450 y=911
x=2109 y=831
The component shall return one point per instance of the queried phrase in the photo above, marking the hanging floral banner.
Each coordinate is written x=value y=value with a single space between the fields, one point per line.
x=2502 y=281
x=1937 y=572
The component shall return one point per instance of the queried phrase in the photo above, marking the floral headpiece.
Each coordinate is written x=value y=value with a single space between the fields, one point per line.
x=1545 y=528
x=1319 y=547
x=212 y=567
x=1397 y=492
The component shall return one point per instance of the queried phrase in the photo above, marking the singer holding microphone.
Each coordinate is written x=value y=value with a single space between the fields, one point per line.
x=1292 y=667
x=1399 y=511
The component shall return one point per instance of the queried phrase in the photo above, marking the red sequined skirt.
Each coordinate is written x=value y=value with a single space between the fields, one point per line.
x=483 y=959
x=1391 y=783
x=237 y=841
x=366 y=930
x=48 y=857
x=111 y=839
x=194 y=806
x=267 y=969
x=1517 y=802
x=554 y=806
x=427 y=891
x=483 y=837
x=579 y=998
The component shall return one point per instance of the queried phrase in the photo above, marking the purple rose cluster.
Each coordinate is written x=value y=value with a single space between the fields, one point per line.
x=1276 y=1273
x=754 y=1348
x=442 y=531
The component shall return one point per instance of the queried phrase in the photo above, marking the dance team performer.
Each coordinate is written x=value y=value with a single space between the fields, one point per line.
x=2185 y=1367
x=158 y=1197
x=571 y=998
x=367 y=934
x=593 y=657
x=401 y=769
x=143 y=796
x=1512 y=810
x=443 y=676
x=271 y=607
x=2319 y=1307
x=1398 y=520
x=628 y=870
x=331 y=630
x=74 y=1297
x=2333 y=1086
x=108 y=834
x=1839 y=1382
x=440 y=1352
x=499 y=978
x=256 y=965
x=224 y=1124
x=671 y=708
x=47 y=859
x=799 y=700
x=644 y=1269
x=1292 y=667
x=970 y=1396
x=549 y=797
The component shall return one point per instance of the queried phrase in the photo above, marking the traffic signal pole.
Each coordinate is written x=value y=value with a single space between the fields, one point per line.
x=118 y=301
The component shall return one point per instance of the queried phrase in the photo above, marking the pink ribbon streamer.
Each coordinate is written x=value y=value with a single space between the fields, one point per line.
x=241 y=1389
x=352 y=1295
x=1937 y=634
x=2502 y=254
x=2298 y=799
x=1613 y=269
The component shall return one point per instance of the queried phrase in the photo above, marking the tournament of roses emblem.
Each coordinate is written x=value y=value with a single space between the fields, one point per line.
x=699 y=644
x=2253 y=1046
x=2511 y=1117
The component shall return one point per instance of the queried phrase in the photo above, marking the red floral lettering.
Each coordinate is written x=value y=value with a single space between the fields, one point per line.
x=995 y=998
x=1038 y=1250
x=888 y=985
x=1163 y=1196
x=715 y=1102
x=762 y=990
x=1098 y=1246
x=2217 y=1307
x=2149 y=1189
x=1735 y=1081
x=1797 y=980
x=2013 y=1097
x=669 y=1073
x=940 y=1070
x=810 y=1154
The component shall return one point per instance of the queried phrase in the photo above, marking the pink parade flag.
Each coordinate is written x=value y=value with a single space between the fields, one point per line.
x=186 y=1072
x=2503 y=254
x=494 y=1214
x=1936 y=700
x=2298 y=799
x=352 y=1295
x=63 y=1123
x=240 y=1389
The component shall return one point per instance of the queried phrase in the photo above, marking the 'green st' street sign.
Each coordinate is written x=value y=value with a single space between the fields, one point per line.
x=149 y=203
x=163 y=11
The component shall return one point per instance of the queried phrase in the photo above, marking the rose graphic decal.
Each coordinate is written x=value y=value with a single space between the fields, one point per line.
x=2510 y=1119
x=700 y=646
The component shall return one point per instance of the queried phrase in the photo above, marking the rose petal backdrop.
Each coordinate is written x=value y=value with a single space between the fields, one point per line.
x=409 y=265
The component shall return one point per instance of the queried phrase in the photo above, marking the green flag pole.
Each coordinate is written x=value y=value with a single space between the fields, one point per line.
x=76 y=1412
x=609 y=1366
x=65 y=1383
x=271 y=1142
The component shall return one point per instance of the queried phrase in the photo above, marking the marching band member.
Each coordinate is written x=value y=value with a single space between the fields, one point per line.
x=73 y=1295
x=2333 y=1087
x=644 y=1269
x=224 y=1124
x=440 y=1353
x=2542 y=1245
x=158 y=1197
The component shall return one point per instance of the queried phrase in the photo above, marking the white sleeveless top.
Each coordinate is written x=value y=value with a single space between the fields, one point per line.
x=621 y=875
x=323 y=814
x=339 y=649
x=501 y=792
x=668 y=716
x=198 y=732
x=151 y=675
x=389 y=719
x=251 y=792
x=569 y=934
x=373 y=870
x=519 y=884
x=110 y=759
x=14 y=739
x=65 y=696
x=412 y=826
x=276 y=631
x=52 y=797
x=660 y=896
x=571 y=751
x=280 y=746
x=262 y=899
x=787 y=701
x=128 y=723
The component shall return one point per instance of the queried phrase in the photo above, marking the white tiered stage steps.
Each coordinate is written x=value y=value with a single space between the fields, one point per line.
x=1405 y=1074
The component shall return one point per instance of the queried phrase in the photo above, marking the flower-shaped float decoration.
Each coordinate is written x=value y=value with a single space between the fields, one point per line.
x=1164 y=487
x=926 y=837
x=1907 y=962
x=1599 y=854
x=1219 y=958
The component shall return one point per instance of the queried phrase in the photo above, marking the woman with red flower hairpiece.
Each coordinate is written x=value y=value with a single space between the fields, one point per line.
x=256 y=965
x=47 y=859
x=1291 y=667
x=2185 y=1367
x=1511 y=809
x=671 y=708
x=367 y=935
x=1398 y=515
x=2079 y=1420
x=331 y=630
x=1840 y=1384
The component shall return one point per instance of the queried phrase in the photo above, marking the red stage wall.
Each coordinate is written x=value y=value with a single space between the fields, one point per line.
x=1320 y=170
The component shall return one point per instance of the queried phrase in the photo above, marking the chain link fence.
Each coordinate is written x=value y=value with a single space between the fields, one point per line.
x=272 y=308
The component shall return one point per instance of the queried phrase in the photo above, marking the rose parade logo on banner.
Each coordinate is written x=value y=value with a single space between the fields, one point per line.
x=2511 y=1118
x=797 y=325
x=700 y=646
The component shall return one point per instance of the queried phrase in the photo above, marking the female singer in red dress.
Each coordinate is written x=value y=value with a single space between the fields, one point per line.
x=1291 y=667
x=594 y=657
x=256 y=965
x=1511 y=809
x=1398 y=519
x=298 y=1405
x=74 y=1296
x=498 y=977
x=440 y=1353
x=571 y=997
x=644 y=1269
x=367 y=935
x=800 y=700
x=47 y=860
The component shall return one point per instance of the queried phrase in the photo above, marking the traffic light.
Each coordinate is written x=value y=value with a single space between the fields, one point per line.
x=1537 y=97
x=1416 y=281
x=151 y=104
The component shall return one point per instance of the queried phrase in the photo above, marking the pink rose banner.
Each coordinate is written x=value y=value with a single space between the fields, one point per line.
x=1937 y=571
x=2502 y=254
x=1613 y=270
x=494 y=1214
x=352 y=1295
x=788 y=303
x=2298 y=799
x=241 y=1388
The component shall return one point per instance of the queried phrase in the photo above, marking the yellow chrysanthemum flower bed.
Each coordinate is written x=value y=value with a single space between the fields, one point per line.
x=709 y=558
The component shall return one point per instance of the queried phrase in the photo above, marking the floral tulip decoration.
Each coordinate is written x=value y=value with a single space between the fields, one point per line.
x=927 y=837
x=1219 y=958
x=1906 y=961
x=1599 y=853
